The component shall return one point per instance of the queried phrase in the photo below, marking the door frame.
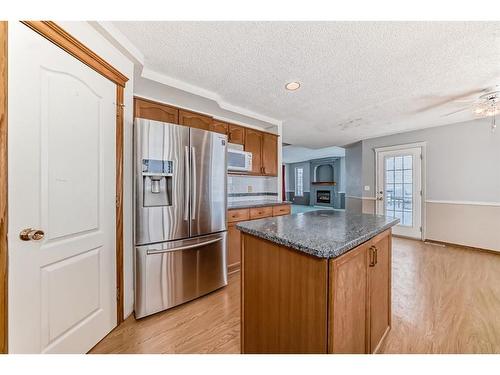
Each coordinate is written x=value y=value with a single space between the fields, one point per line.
x=423 y=170
x=55 y=34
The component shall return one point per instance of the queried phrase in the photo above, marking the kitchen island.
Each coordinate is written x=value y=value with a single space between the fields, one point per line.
x=316 y=282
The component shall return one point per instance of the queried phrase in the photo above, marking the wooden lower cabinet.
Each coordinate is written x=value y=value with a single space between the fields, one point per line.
x=360 y=298
x=234 y=235
x=349 y=292
x=351 y=309
x=379 y=277
x=234 y=245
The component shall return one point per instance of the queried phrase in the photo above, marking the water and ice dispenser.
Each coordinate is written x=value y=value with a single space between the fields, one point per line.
x=157 y=182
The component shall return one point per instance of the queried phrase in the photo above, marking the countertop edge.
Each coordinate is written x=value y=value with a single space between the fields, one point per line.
x=314 y=252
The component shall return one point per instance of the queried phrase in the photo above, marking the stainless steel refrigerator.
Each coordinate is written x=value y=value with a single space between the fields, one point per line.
x=180 y=214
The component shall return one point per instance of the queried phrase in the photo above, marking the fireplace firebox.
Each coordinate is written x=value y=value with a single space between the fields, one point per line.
x=323 y=196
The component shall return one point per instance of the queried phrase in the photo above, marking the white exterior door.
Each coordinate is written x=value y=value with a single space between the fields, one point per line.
x=62 y=288
x=399 y=189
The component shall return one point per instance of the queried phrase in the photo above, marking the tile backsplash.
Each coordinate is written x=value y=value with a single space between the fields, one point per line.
x=251 y=187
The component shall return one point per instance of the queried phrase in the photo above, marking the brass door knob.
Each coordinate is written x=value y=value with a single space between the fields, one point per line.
x=30 y=234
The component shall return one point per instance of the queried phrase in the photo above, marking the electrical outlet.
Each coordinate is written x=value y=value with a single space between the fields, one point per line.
x=249 y=188
x=367 y=188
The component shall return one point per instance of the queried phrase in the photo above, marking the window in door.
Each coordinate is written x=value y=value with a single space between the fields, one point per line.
x=299 y=182
x=399 y=188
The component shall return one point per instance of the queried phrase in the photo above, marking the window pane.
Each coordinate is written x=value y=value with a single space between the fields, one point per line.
x=389 y=202
x=408 y=175
x=398 y=162
x=407 y=205
x=389 y=164
x=299 y=182
x=408 y=161
x=398 y=177
x=398 y=191
x=389 y=177
x=399 y=215
x=408 y=190
x=389 y=213
x=408 y=218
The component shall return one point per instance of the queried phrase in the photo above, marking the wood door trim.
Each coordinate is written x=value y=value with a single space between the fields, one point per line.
x=53 y=32
x=3 y=190
x=119 y=205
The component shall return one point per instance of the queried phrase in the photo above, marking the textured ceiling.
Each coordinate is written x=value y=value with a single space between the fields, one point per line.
x=359 y=79
x=295 y=154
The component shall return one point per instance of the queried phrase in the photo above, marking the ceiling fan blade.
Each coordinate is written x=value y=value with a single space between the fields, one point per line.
x=457 y=111
x=450 y=98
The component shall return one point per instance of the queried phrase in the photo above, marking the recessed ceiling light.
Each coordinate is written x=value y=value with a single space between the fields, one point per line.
x=292 y=86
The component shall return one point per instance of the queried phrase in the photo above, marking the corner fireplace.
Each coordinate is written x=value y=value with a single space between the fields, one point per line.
x=323 y=196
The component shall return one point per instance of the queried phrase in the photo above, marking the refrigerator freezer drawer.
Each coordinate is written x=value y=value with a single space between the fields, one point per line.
x=171 y=273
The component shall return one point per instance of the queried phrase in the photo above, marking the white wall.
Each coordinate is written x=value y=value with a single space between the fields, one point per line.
x=462 y=182
x=85 y=33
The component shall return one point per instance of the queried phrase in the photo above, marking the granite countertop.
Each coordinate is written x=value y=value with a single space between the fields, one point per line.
x=255 y=203
x=323 y=233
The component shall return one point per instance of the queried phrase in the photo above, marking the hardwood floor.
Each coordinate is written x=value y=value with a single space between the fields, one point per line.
x=210 y=324
x=444 y=300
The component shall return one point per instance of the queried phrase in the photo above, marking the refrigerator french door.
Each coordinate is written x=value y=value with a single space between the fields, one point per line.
x=180 y=214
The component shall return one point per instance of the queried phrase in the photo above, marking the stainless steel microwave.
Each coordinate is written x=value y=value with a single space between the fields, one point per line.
x=238 y=160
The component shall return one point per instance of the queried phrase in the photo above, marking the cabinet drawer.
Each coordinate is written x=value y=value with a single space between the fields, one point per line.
x=281 y=210
x=238 y=215
x=260 y=212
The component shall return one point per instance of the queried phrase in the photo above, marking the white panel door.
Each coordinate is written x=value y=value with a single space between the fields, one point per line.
x=62 y=288
x=399 y=189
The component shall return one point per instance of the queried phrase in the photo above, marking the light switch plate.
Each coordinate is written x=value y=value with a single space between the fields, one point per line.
x=367 y=188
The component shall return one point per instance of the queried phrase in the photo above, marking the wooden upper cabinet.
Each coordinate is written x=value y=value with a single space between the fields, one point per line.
x=219 y=126
x=270 y=154
x=194 y=120
x=236 y=134
x=151 y=110
x=253 y=144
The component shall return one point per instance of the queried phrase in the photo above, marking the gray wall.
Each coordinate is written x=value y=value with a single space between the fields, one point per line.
x=463 y=161
x=354 y=170
x=290 y=171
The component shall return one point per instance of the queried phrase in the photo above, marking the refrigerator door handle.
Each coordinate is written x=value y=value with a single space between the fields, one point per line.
x=193 y=183
x=186 y=247
x=186 y=183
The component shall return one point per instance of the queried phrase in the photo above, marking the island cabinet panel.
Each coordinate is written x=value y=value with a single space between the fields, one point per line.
x=284 y=299
x=151 y=110
x=194 y=120
x=348 y=303
x=270 y=154
x=380 y=290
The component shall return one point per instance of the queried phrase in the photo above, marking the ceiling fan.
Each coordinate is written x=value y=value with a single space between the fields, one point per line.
x=486 y=105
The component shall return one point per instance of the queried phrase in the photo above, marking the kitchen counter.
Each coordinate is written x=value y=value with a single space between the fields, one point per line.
x=323 y=234
x=316 y=282
x=255 y=203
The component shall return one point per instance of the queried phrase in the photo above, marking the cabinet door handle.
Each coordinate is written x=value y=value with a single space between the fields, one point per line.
x=376 y=254
x=372 y=256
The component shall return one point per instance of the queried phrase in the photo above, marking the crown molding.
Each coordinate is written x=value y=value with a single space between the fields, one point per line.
x=193 y=89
